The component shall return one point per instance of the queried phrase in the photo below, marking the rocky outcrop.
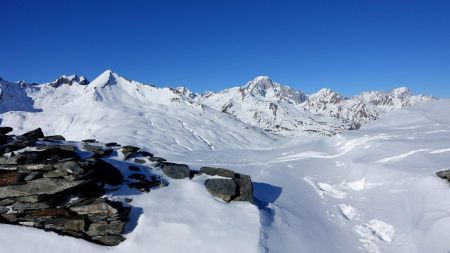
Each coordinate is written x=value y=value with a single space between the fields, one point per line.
x=175 y=170
x=444 y=174
x=53 y=189
x=54 y=185
x=233 y=186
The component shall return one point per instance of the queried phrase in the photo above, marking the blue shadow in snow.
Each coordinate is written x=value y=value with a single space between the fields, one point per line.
x=264 y=194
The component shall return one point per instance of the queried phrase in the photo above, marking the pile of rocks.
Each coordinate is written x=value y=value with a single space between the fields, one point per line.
x=59 y=186
x=52 y=188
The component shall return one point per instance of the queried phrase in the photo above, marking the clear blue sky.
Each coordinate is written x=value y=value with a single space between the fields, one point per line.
x=348 y=46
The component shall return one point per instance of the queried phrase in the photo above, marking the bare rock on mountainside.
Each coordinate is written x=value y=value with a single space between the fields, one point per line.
x=47 y=184
x=233 y=186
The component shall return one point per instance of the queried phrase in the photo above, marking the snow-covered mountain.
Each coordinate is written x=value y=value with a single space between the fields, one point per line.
x=371 y=190
x=281 y=109
x=92 y=107
x=111 y=105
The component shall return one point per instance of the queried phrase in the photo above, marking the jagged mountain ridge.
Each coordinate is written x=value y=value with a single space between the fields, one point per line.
x=260 y=103
x=287 y=111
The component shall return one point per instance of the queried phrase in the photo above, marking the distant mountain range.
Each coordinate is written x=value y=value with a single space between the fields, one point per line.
x=77 y=108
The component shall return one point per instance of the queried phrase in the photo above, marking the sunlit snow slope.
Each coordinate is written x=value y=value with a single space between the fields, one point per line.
x=112 y=108
x=369 y=190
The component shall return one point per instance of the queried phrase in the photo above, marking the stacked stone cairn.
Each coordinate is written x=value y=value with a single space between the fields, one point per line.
x=51 y=184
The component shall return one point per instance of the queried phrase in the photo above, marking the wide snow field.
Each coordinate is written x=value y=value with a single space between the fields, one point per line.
x=371 y=190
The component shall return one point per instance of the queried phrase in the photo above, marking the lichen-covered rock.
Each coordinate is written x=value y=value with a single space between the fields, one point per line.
x=222 y=188
x=245 y=188
x=175 y=170
x=39 y=186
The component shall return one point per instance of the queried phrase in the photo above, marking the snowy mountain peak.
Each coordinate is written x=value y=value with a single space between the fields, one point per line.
x=401 y=92
x=258 y=86
x=263 y=87
x=326 y=95
x=69 y=80
x=396 y=99
x=108 y=77
x=185 y=92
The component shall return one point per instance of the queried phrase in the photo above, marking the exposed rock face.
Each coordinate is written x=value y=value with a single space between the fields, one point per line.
x=46 y=184
x=222 y=188
x=176 y=171
x=445 y=174
x=238 y=187
x=5 y=130
x=54 y=189
x=69 y=80
x=129 y=151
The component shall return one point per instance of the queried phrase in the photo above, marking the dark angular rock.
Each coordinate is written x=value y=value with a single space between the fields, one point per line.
x=143 y=183
x=89 y=140
x=46 y=156
x=445 y=174
x=7 y=202
x=129 y=151
x=17 y=145
x=139 y=161
x=112 y=144
x=144 y=153
x=33 y=135
x=92 y=148
x=175 y=170
x=54 y=138
x=217 y=172
x=245 y=188
x=107 y=173
x=68 y=148
x=39 y=186
x=157 y=159
x=225 y=189
x=5 y=130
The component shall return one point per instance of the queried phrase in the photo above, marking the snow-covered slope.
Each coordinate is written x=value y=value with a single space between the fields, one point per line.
x=112 y=108
x=283 y=110
x=371 y=190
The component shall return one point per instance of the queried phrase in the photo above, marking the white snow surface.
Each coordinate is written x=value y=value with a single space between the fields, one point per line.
x=368 y=190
